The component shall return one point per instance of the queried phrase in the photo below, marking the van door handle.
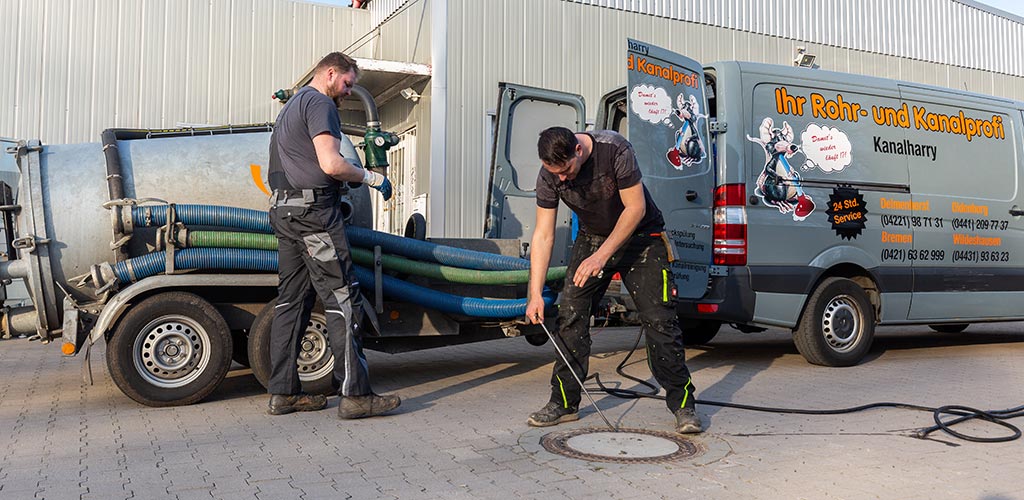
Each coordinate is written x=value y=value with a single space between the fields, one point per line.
x=1016 y=212
x=691 y=195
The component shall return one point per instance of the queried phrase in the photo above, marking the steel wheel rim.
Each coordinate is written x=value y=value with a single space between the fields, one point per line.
x=315 y=357
x=841 y=323
x=171 y=351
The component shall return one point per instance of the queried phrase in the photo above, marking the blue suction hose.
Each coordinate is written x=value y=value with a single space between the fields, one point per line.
x=258 y=221
x=137 y=268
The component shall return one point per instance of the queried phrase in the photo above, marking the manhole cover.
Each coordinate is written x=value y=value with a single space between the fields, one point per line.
x=625 y=446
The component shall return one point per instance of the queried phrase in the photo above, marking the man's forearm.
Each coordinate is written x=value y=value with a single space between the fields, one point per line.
x=540 y=258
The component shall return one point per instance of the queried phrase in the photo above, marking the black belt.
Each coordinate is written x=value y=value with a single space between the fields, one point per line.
x=317 y=191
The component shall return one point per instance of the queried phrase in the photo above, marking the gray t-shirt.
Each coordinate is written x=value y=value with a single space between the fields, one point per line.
x=594 y=194
x=293 y=161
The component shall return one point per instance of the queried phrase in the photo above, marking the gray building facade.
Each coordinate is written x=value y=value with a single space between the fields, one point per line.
x=80 y=66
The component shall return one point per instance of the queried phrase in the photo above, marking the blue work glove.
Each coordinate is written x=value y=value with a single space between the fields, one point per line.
x=378 y=182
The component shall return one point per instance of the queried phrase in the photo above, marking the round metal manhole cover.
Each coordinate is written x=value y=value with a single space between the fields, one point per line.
x=625 y=446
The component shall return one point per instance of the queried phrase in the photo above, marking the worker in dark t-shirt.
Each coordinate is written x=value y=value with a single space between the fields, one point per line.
x=621 y=230
x=306 y=172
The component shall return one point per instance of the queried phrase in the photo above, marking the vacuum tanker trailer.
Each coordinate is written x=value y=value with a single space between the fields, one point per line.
x=157 y=243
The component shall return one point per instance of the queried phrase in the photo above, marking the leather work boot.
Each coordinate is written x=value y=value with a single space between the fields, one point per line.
x=369 y=405
x=281 y=404
x=552 y=414
x=687 y=421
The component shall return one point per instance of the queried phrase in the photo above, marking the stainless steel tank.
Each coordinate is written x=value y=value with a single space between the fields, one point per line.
x=64 y=228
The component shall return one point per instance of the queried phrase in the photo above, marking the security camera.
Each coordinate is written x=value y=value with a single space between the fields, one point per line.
x=410 y=94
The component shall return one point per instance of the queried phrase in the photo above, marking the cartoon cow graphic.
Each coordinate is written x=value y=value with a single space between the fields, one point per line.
x=688 y=148
x=779 y=184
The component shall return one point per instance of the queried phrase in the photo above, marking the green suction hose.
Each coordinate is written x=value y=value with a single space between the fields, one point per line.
x=227 y=239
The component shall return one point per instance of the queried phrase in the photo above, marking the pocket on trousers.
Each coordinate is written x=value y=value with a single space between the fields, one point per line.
x=320 y=247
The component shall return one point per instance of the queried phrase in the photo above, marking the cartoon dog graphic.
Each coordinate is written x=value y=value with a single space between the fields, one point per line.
x=688 y=148
x=779 y=184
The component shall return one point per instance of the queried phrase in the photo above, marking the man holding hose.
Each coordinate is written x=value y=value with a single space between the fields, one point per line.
x=621 y=230
x=306 y=173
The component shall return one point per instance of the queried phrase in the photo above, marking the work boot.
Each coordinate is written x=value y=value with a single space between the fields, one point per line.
x=552 y=414
x=687 y=421
x=369 y=405
x=282 y=403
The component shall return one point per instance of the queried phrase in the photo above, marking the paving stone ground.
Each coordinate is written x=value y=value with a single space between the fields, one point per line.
x=461 y=431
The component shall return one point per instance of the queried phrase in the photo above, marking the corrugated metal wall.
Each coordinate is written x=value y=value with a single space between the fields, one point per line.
x=576 y=47
x=941 y=31
x=75 y=67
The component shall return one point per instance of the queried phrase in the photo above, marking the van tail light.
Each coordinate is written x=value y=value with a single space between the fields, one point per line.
x=730 y=225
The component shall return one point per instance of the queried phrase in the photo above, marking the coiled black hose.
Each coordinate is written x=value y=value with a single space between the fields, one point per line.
x=962 y=413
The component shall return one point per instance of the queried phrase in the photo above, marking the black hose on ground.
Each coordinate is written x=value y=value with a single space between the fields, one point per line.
x=962 y=413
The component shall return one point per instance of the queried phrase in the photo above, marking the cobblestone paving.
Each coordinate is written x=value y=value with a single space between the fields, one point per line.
x=461 y=431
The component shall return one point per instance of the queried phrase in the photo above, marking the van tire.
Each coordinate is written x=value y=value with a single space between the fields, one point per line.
x=950 y=328
x=316 y=361
x=837 y=325
x=698 y=331
x=171 y=349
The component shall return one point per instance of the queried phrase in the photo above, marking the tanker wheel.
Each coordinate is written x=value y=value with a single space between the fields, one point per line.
x=837 y=325
x=950 y=328
x=698 y=331
x=170 y=349
x=316 y=360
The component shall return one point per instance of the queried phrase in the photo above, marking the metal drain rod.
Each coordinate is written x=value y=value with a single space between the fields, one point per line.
x=577 y=377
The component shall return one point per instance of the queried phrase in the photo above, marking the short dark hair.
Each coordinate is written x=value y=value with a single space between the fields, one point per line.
x=338 y=61
x=556 y=145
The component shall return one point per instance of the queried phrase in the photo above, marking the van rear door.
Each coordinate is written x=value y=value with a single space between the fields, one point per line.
x=668 y=127
x=522 y=113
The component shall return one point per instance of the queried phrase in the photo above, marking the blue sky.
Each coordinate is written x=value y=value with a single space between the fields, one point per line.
x=1011 y=6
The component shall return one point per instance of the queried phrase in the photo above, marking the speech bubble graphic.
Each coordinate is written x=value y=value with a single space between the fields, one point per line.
x=650 y=103
x=826 y=148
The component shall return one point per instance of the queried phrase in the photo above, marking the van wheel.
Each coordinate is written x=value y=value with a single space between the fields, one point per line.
x=316 y=360
x=837 y=325
x=170 y=349
x=950 y=328
x=699 y=331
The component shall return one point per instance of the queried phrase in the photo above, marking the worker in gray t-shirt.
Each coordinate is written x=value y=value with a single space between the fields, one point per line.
x=621 y=231
x=306 y=171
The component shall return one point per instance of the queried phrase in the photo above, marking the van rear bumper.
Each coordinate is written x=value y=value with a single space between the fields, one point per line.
x=733 y=294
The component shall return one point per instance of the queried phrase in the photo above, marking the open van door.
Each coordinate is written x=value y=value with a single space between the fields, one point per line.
x=668 y=127
x=522 y=113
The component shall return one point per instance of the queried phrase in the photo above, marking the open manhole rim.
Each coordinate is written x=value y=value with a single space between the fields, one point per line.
x=557 y=443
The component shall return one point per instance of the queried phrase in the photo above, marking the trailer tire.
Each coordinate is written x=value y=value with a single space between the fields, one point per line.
x=950 y=328
x=170 y=349
x=699 y=331
x=837 y=325
x=316 y=360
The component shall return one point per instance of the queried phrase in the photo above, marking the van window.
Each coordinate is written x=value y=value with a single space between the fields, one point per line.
x=965 y=164
x=531 y=117
x=832 y=132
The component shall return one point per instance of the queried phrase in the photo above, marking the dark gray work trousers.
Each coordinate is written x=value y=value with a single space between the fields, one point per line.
x=643 y=264
x=314 y=260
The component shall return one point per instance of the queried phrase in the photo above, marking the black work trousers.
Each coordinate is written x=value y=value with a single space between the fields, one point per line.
x=314 y=260
x=643 y=264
